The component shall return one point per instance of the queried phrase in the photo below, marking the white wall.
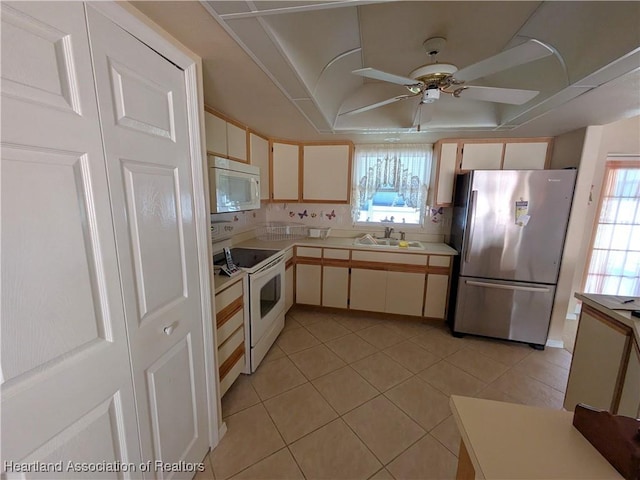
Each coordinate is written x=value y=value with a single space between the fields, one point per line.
x=591 y=146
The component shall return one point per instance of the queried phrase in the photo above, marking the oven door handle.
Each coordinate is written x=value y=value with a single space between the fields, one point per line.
x=268 y=268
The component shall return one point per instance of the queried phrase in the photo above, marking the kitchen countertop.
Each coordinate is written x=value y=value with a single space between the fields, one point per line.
x=606 y=304
x=506 y=440
x=221 y=282
x=345 y=242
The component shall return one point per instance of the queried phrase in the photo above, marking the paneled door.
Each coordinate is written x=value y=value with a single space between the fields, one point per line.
x=67 y=391
x=142 y=103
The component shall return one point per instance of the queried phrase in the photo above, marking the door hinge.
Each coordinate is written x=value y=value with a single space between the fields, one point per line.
x=349 y=270
x=348 y=302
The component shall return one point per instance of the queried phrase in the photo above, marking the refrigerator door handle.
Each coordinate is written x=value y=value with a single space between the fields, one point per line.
x=506 y=287
x=472 y=221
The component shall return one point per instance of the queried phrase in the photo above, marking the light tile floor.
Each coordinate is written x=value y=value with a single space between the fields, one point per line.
x=357 y=397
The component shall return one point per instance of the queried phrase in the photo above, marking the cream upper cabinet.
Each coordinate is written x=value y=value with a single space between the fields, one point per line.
x=326 y=173
x=224 y=138
x=444 y=169
x=216 y=134
x=236 y=142
x=525 y=156
x=285 y=168
x=259 y=156
x=482 y=156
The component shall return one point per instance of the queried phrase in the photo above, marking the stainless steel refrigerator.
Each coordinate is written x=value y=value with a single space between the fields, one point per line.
x=509 y=229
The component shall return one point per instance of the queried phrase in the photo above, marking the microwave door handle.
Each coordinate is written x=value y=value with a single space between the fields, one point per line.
x=256 y=186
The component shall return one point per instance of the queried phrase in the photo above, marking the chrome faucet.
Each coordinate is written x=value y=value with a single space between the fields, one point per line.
x=387 y=232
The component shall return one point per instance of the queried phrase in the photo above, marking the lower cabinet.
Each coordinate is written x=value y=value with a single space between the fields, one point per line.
x=630 y=396
x=308 y=282
x=335 y=286
x=289 y=282
x=386 y=282
x=605 y=369
x=368 y=289
x=436 y=295
x=230 y=334
x=404 y=293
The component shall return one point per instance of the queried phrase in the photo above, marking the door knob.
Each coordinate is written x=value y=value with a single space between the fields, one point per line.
x=169 y=329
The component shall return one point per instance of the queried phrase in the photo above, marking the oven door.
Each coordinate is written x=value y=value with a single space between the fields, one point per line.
x=266 y=294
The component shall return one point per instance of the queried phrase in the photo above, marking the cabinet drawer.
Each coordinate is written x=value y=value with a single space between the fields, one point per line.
x=230 y=376
x=230 y=326
x=223 y=299
x=439 y=261
x=234 y=341
x=405 y=258
x=309 y=252
x=335 y=254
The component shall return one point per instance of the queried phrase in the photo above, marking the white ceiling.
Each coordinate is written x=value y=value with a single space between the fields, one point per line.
x=284 y=67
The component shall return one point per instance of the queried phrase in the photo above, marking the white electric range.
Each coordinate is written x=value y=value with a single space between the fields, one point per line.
x=266 y=277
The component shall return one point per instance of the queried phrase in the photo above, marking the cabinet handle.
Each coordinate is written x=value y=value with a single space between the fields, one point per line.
x=169 y=329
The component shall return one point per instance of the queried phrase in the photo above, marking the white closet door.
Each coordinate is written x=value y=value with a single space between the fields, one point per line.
x=141 y=97
x=67 y=391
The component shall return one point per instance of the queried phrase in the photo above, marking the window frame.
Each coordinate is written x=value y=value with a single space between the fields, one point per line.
x=424 y=185
x=612 y=163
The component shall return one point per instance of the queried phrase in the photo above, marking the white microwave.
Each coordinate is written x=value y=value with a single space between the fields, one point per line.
x=233 y=186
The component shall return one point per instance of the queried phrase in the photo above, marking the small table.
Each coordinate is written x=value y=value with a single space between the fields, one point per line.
x=510 y=441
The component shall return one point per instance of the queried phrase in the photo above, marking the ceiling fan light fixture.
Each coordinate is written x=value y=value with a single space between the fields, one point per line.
x=430 y=95
x=433 y=73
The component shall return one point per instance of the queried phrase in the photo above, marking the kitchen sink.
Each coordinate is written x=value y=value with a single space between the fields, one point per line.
x=391 y=243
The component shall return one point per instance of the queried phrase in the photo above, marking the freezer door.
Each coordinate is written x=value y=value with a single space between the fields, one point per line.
x=516 y=222
x=507 y=310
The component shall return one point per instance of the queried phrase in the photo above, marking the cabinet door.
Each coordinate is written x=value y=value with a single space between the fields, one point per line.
x=525 y=156
x=236 y=142
x=482 y=156
x=335 y=286
x=308 y=284
x=285 y=170
x=326 y=173
x=259 y=156
x=216 y=134
x=368 y=290
x=435 y=298
x=288 y=288
x=630 y=397
x=446 y=174
x=404 y=293
x=597 y=357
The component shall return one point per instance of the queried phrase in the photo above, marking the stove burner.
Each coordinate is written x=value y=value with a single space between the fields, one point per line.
x=245 y=257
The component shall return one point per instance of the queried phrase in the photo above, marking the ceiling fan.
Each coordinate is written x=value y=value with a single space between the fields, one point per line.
x=430 y=80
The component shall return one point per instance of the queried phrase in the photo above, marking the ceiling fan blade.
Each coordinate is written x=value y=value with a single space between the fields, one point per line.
x=376 y=105
x=512 y=96
x=386 y=77
x=424 y=114
x=525 y=53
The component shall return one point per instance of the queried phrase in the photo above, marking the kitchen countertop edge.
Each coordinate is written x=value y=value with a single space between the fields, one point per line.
x=345 y=242
x=623 y=316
